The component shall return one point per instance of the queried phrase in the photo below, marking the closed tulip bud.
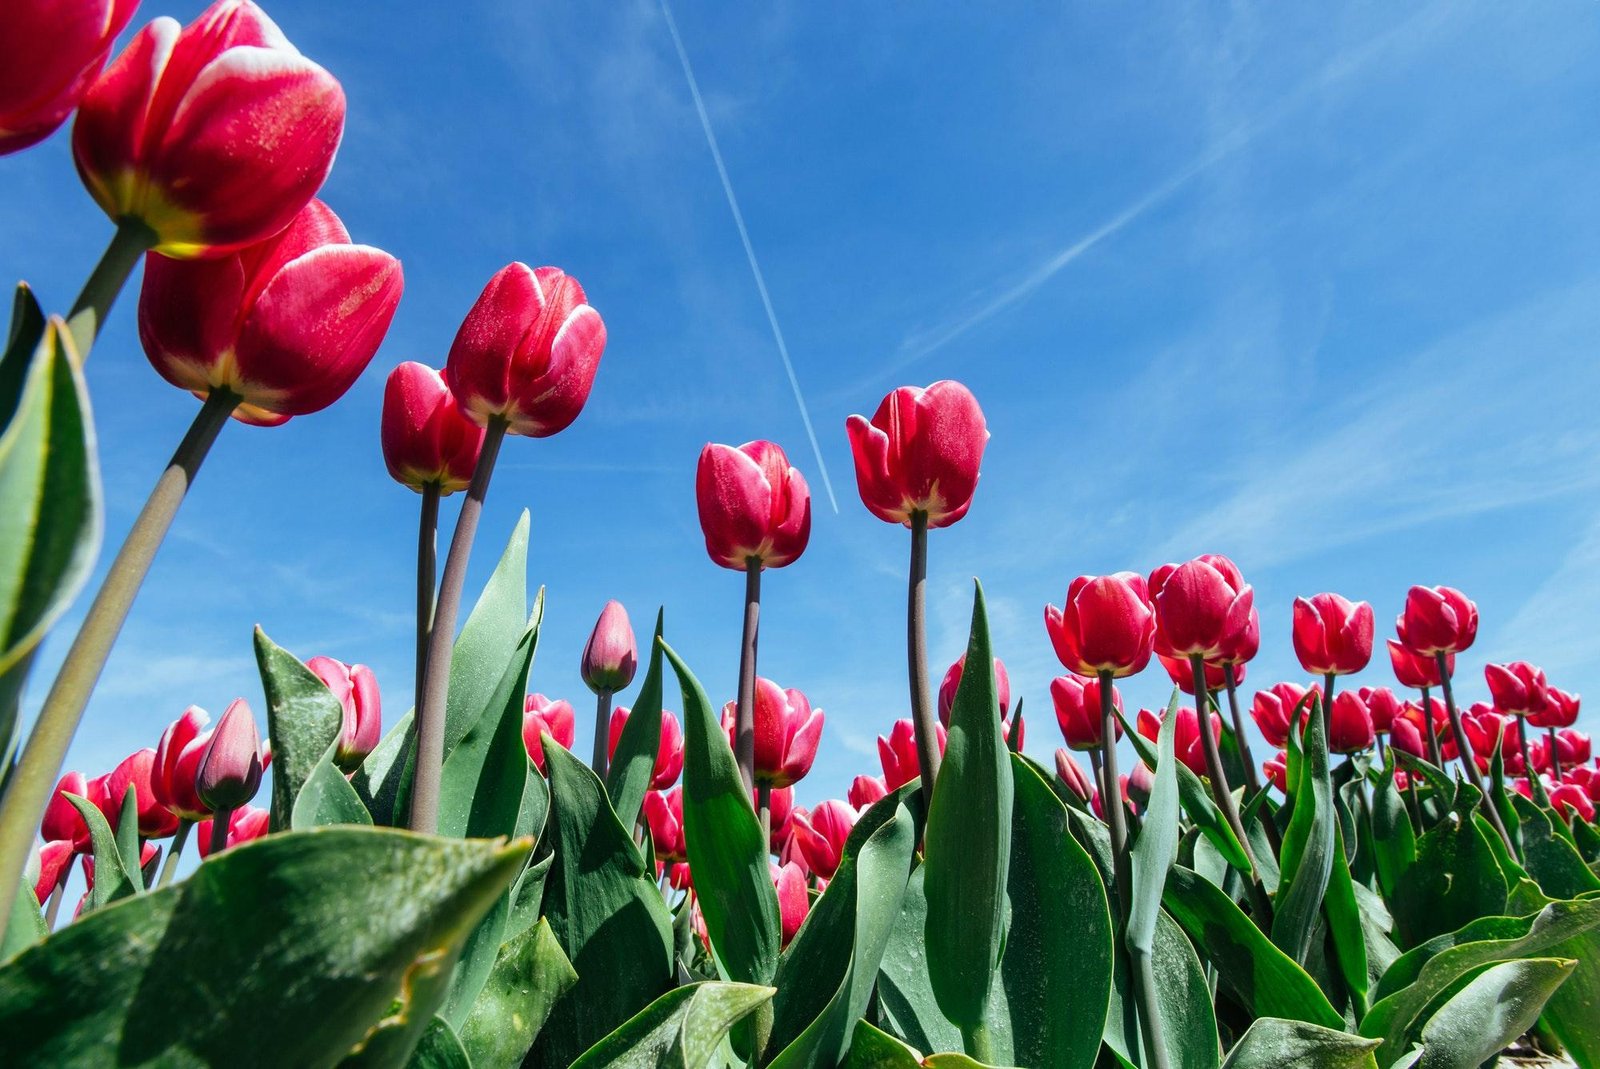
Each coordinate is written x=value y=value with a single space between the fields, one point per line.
x=356 y=689
x=1273 y=708
x=1560 y=710
x=1437 y=620
x=755 y=508
x=794 y=902
x=50 y=53
x=1137 y=784
x=787 y=732
x=1106 y=625
x=1405 y=736
x=1241 y=644
x=952 y=683
x=244 y=824
x=286 y=326
x=780 y=806
x=611 y=655
x=213 y=135
x=1487 y=730
x=1383 y=705
x=427 y=441
x=789 y=853
x=55 y=863
x=177 y=765
x=1416 y=670
x=541 y=714
x=1276 y=770
x=230 y=771
x=1098 y=802
x=134 y=773
x=1200 y=606
x=1332 y=634
x=62 y=821
x=1568 y=799
x=864 y=790
x=527 y=352
x=1518 y=688
x=1349 y=724
x=920 y=452
x=1572 y=747
x=669 y=750
x=1182 y=673
x=663 y=815
x=1072 y=774
x=898 y=753
x=1077 y=702
x=1186 y=740
x=821 y=834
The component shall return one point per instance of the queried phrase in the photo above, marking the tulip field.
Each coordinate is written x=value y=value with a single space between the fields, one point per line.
x=1323 y=874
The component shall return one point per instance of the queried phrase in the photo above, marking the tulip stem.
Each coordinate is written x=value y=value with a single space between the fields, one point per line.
x=1555 y=756
x=1251 y=775
x=129 y=243
x=922 y=713
x=1099 y=776
x=436 y=675
x=764 y=809
x=744 y=742
x=1433 y=736
x=33 y=778
x=52 y=910
x=1220 y=791
x=427 y=562
x=1527 y=758
x=1468 y=760
x=600 y=755
x=219 y=830
x=1327 y=707
x=179 y=838
x=978 y=1042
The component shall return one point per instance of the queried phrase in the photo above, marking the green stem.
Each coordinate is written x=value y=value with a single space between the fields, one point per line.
x=922 y=712
x=1434 y=748
x=1468 y=760
x=1221 y=793
x=427 y=561
x=129 y=243
x=600 y=754
x=744 y=731
x=1252 y=775
x=219 y=830
x=978 y=1043
x=1327 y=707
x=179 y=838
x=1555 y=757
x=30 y=784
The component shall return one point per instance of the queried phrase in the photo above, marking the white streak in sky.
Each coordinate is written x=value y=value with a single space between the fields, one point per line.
x=749 y=251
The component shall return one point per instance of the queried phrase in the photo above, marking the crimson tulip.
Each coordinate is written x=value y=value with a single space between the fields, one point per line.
x=1072 y=774
x=669 y=750
x=1383 y=705
x=1181 y=672
x=755 y=507
x=787 y=731
x=1568 y=799
x=780 y=807
x=952 y=682
x=1570 y=747
x=821 y=834
x=1077 y=702
x=1405 y=736
x=1273 y=708
x=864 y=790
x=794 y=901
x=1419 y=671
x=1437 y=620
x=1486 y=731
x=1187 y=742
x=1349 y=724
x=898 y=753
x=1201 y=606
x=50 y=53
x=1276 y=769
x=611 y=656
x=55 y=864
x=1332 y=635
x=62 y=820
x=177 y=765
x=663 y=815
x=1518 y=688
x=1431 y=723
x=134 y=773
x=427 y=441
x=244 y=824
x=1107 y=624
x=356 y=689
x=920 y=453
x=541 y=714
x=1560 y=710
x=230 y=769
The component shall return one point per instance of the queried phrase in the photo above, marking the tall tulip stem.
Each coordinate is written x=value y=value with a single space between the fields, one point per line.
x=1555 y=757
x=427 y=567
x=179 y=838
x=54 y=907
x=1251 y=775
x=130 y=242
x=219 y=830
x=1469 y=760
x=1220 y=791
x=600 y=755
x=764 y=811
x=922 y=712
x=1327 y=706
x=744 y=730
x=1099 y=775
x=436 y=677
x=30 y=784
x=1434 y=749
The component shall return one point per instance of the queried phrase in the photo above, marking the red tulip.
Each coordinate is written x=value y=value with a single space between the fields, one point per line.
x=1186 y=742
x=794 y=901
x=1560 y=710
x=1077 y=702
x=611 y=655
x=213 y=135
x=864 y=790
x=356 y=689
x=1437 y=717
x=1200 y=606
x=1273 y=708
x=147 y=854
x=540 y=714
x=1416 y=670
x=669 y=750
x=55 y=863
x=1181 y=672
x=780 y=805
x=789 y=853
x=1572 y=748
x=754 y=506
x=898 y=754
x=134 y=773
x=1585 y=777
x=61 y=818
x=920 y=452
x=663 y=815
x=821 y=835
x=50 y=53
x=527 y=352
x=1072 y=774
x=1568 y=799
x=1276 y=769
x=1349 y=723
x=952 y=683
x=230 y=769
x=177 y=764
x=1332 y=635
x=245 y=823
x=1405 y=736
x=1437 y=620
x=1518 y=688
x=426 y=439
x=1383 y=705
x=286 y=325
x=787 y=733
x=1241 y=644
x=1106 y=625
x=1485 y=730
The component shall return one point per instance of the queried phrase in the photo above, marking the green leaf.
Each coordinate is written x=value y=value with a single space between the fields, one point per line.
x=111 y=877
x=1188 y=1021
x=269 y=974
x=634 y=762
x=967 y=843
x=905 y=993
x=127 y=835
x=727 y=853
x=1275 y=1044
x=482 y=783
x=303 y=720
x=1394 y=842
x=1306 y=860
x=872 y=1048
x=529 y=975
x=26 y=926
x=1264 y=980
x=1344 y=925
x=680 y=1030
x=1550 y=858
x=1156 y=847
x=1196 y=801
x=1572 y=1011
x=440 y=1048
x=327 y=798
x=1455 y=880
x=604 y=910
x=1496 y=1007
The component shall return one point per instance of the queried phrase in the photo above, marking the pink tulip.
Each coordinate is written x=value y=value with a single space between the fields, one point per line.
x=1416 y=670
x=920 y=452
x=1437 y=620
x=1200 y=606
x=50 y=53
x=1273 y=708
x=1077 y=702
x=780 y=806
x=286 y=326
x=245 y=823
x=1106 y=625
x=1349 y=724
x=611 y=655
x=1383 y=705
x=426 y=439
x=898 y=753
x=1073 y=775
x=1572 y=747
x=864 y=790
x=1186 y=742
x=1518 y=688
x=213 y=135
x=1181 y=672
x=1485 y=730
x=822 y=833
x=669 y=751
x=1332 y=635
x=1405 y=736
x=1560 y=710
x=1568 y=799
x=1276 y=769
x=134 y=773
x=794 y=902
x=55 y=864
x=663 y=815
x=952 y=683
x=177 y=764
x=1241 y=644
x=527 y=352
x=787 y=733
x=755 y=508
x=356 y=690
x=61 y=818
x=540 y=714
x=230 y=769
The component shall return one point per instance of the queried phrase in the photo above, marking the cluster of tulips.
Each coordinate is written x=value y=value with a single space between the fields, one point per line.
x=461 y=890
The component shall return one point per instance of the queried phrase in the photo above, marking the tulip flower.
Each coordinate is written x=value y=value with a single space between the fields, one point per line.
x=62 y=821
x=790 y=853
x=669 y=751
x=1273 y=709
x=244 y=824
x=1561 y=749
x=780 y=810
x=356 y=690
x=427 y=441
x=917 y=464
x=864 y=790
x=1188 y=742
x=1419 y=671
x=787 y=733
x=1560 y=711
x=1407 y=738
x=177 y=764
x=1106 y=625
x=1332 y=637
x=134 y=773
x=1201 y=606
x=50 y=53
x=1383 y=704
x=663 y=815
x=821 y=835
x=1437 y=620
x=1430 y=723
x=540 y=715
x=1488 y=731
x=1565 y=798
x=1349 y=724
x=1077 y=702
x=952 y=682
x=1276 y=769
x=230 y=769
x=1072 y=774
x=899 y=755
x=1518 y=688
x=55 y=865
x=794 y=902
x=610 y=658
x=1181 y=673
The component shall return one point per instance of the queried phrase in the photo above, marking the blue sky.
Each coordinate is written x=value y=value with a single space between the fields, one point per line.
x=1311 y=285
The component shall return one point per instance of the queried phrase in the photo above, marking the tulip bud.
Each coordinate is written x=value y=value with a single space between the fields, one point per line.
x=821 y=835
x=62 y=821
x=1187 y=744
x=1276 y=769
x=1273 y=708
x=1332 y=635
x=663 y=815
x=244 y=824
x=177 y=765
x=787 y=731
x=669 y=751
x=1518 y=688
x=780 y=806
x=1560 y=710
x=1416 y=670
x=1383 y=705
x=1106 y=625
x=794 y=902
x=1349 y=724
x=898 y=753
x=952 y=683
x=134 y=773
x=1072 y=774
x=1077 y=702
x=864 y=790
x=754 y=506
x=356 y=689
x=1437 y=620
x=541 y=714
x=230 y=770
x=1181 y=672
x=1568 y=799
x=1486 y=731
x=50 y=53
x=1572 y=747
x=426 y=439
x=611 y=655
x=1200 y=606
x=55 y=864
x=527 y=352
x=287 y=325
x=920 y=452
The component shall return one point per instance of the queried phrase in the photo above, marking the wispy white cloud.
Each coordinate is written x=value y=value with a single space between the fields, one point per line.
x=1559 y=624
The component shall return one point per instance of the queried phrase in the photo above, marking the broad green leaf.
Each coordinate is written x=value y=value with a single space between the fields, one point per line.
x=303 y=720
x=378 y=779
x=394 y=1039
x=1573 y=1010
x=481 y=785
x=680 y=1030
x=1155 y=847
x=728 y=855
x=874 y=1049
x=1394 y=841
x=26 y=926
x=267 y=972
x=440 y=1048
x=527 y=895
x=1456 y=880
x=1260 y=977
x=1188 y=1021
x=327 y=798
x=1196 y=801
x=1270 y=1043
x=634 y=762
x=529 y=975
x=967 y=843
x=1550 y=858
x=1496 y=1007
x=127 y=836
x=1344 y=926
x=1306 y=860
x=906 y=1000
x=604 y=909
x=112 y=880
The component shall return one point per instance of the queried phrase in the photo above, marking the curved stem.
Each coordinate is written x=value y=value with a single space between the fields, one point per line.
x=1433 y=736
x=1252 y=774
x=922 y=712
x=600 y=755
x=130 y=242
x=427 y=559
x=170 y=866
x=436 y=679
x=1222 y=794
x=1468 y=759
x=1555 y=756
x=33 y=778
x=744 y=732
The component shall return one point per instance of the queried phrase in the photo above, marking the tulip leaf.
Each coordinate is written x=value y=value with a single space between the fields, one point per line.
x=634 y=763
x=439 y=1048
x=1188 y=1020
x=1271 y=1043
x=530 y=973
x=1574 y=1008
x=26 y=927
x=872 y=1048
x=1264 y=980
x=1344 y=926
x=727 y=852
x=682 y=1029
x=1156 y=847
x=112 y=878
x=527 y=895
x=271 y=974
x=1394 y=841
x=1196 y=801
x=327 y=798
x=303 y=720
x=967 y=843
x=604 y=909
x=906 y=1002
x=1456 y=879
x=1550 y=858
x=1494 y=1008
x=1306 y=861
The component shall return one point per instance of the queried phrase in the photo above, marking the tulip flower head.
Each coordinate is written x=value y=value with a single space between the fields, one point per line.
x=50 y=53
x=1383 y=705
x=1241 y=644
x=663 y=815
x=1186 y=743
x=1181 y=672
x=898 y=753
x=920 y=453
x=952 y=683
x=212 y=135
x=1569 y=800
x=864 y=790
x=611 y=655
x=541 y=714
x=1072 y=774
x=1200 y=606
x=1106 y=625
x=286 y=325
x=55 y=864
x=1518 y=688
x=669 y=751
x=527 y=352
x=794 y=902
x=1437 y=620
x=755 y=507
x=1486 y=731
x=355 y=688
x=177 y=764
x=1560 y=710
x=1349 y=724
x=62 y=821
x=1405 y=736
x=1276 y=770
x=1077 y=702
x=1274 y=708
x=780 y=806
x=230 y=770
x=134 y=773
x=426 y=439
x=1332 y=635
x=787 y=733
x=821 y=835
x=1416 y=670
x=1572 y=747
x=244 y=824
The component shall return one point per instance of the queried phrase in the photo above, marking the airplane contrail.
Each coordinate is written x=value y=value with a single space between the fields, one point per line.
x=749 y=251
